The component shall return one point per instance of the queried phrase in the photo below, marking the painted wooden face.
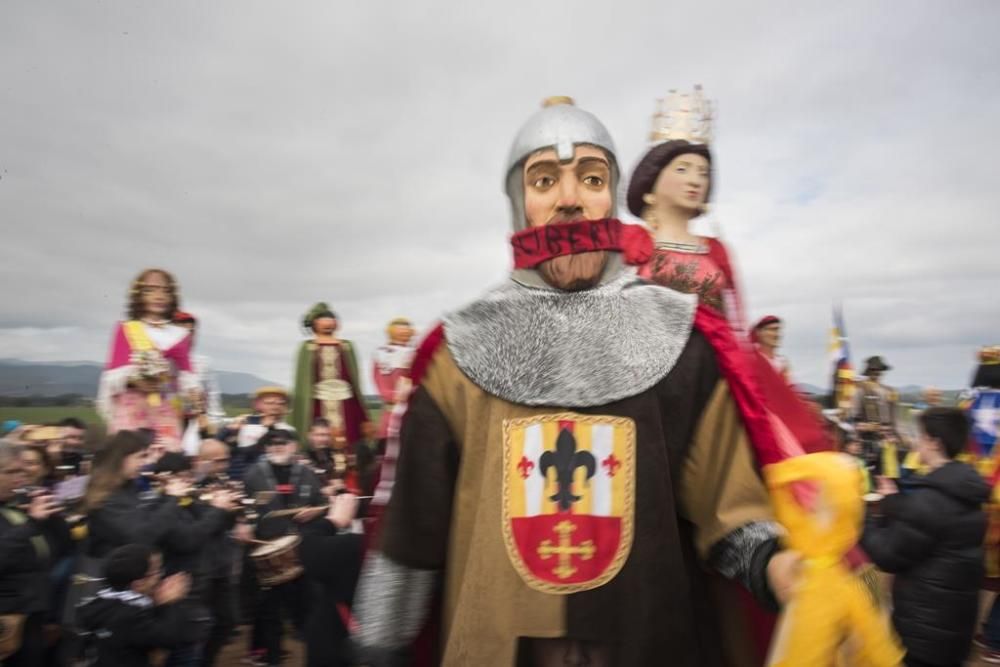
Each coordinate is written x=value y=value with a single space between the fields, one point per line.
x=557 y=191
x=683 y=183
x=400 y=334
x=324 y=326
x=157 y=294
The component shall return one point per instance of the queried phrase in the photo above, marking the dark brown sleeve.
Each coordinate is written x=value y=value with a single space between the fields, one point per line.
x=417 y=521
x=721 y=490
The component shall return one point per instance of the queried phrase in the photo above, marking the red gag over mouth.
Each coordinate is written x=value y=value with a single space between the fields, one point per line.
x=535 y=245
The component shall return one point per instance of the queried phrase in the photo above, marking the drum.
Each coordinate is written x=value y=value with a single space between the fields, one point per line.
x=278 y=561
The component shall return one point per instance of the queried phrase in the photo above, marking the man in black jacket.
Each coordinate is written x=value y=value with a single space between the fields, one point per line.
x=137 y=612
x=32 y=539
x=221 y=552
x=281 y=484
x=930 y=536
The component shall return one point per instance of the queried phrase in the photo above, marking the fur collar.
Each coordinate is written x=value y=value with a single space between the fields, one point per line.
x=542 y=346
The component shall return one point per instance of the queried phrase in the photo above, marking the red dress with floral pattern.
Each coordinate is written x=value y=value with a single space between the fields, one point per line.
x=690 y=273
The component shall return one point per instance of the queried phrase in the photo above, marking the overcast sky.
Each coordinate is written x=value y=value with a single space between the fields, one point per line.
x=275 y=154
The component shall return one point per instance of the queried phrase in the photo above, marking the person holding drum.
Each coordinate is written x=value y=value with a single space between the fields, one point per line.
x=288 y=495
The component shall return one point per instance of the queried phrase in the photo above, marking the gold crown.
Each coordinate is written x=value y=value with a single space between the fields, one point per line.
x=990 y=355
x=683 y=116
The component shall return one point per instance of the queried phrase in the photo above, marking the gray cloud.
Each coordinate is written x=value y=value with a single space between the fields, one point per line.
x=272 y=156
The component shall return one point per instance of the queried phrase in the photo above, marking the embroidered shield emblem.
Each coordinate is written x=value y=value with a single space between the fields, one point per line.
x=568 y=496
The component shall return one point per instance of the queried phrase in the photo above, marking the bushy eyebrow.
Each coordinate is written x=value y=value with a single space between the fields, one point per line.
x=587 y=161
x=555 y=164
x=547 y=164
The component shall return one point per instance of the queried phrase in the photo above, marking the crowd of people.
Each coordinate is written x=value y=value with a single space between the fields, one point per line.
x=573 y=470
x=139 y=549
x=211 y=520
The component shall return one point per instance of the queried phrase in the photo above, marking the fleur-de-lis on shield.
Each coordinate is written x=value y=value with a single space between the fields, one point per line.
x=566 y=459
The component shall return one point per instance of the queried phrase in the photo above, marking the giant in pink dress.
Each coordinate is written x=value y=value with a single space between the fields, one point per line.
x=123 y=406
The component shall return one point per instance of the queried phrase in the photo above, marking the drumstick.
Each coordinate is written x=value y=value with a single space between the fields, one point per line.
x=290 y=511
x=274 y=514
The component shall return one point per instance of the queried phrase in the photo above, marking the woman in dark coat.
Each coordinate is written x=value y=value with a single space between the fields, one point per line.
x=930 y=536
x=118 y=513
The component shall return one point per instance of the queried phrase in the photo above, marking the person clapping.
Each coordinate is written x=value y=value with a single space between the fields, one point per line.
x=137 y=612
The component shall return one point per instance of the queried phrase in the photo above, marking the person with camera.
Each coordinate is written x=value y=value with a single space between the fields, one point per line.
x=32 y=538
x=38 y=467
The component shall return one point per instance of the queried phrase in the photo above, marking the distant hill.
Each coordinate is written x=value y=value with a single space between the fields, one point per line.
x=27 y=378
x=910 y=393
x=811 y=389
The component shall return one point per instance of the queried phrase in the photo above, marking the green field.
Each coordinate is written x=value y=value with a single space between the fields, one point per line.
x=52 y=414
x=49 y=414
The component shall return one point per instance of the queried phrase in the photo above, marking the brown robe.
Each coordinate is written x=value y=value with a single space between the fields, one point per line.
x=694 y=483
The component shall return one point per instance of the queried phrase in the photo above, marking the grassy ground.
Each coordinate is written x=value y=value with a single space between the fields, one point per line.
x=52 y=414
x=49 y=414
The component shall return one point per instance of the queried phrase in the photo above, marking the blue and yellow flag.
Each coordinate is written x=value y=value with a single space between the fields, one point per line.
x=840 y=358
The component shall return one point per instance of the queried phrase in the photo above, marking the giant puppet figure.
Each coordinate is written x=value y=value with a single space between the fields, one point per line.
x=150 y=363
x=391 y=370
x=983 y=403
x=874 y=416
x=669 y=189
x=326 y=381
x=574 y=457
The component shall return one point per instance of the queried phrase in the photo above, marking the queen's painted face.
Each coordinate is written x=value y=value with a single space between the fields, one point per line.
x=683 y=183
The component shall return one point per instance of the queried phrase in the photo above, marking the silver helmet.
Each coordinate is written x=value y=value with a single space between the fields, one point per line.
x=562 y=126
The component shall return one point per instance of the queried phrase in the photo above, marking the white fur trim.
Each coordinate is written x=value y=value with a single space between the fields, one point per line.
x=113 y=381
x=543 y=346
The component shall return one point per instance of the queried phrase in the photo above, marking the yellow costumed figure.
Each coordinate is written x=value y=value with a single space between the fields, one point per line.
x=831 y=618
